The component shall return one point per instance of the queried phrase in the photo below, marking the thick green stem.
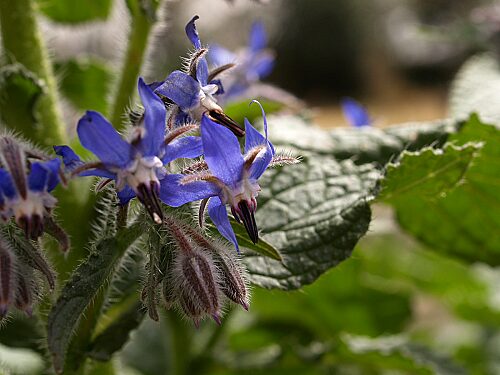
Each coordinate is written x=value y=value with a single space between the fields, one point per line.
x=136 y=49
x=23 y=44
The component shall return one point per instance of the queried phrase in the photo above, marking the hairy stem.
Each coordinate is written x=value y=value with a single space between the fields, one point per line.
x=132 y=63
x=23 y=44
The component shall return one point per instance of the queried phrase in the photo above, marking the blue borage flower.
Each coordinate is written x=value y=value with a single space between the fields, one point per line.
x=355 y=113
x=26 y=195
x=231 y=178
x=137 y=165
x=253 y=63
x=193 y=92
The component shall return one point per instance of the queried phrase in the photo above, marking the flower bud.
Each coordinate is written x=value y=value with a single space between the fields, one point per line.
x=7 y=276
x=232 y=278
x=24 y=292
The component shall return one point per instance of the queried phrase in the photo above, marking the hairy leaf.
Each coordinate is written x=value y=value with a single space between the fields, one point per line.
x=115 y=336
x=313 y=213
x=466 y=222
x=83 y=286
x=362 y=145
x=68 y=11
x=427 y=173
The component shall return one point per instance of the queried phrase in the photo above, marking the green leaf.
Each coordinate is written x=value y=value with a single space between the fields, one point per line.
x=91 y=276
x=465 y=222
x=313 y=213
x=365 y=145
x=396 y=352
x=475 y=89
x=262 y=247
x=69 y=11
x=85 y=83
x=116 y=335
x=427 y=173
x=19 y=92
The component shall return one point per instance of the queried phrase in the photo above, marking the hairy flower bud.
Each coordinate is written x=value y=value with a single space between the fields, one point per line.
x=25 y=291
x=232 y=278
x=7 y=277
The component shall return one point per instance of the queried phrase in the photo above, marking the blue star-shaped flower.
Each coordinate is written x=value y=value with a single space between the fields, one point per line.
x=253 y=63
x=231 y=178
x=355 y=113
x=26 y=195
x=193 y=92
x=137 y=165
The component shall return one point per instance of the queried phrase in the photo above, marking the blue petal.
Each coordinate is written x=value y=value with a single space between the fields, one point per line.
x=202 y=71
x=154 y=120
x=261 y=66
x=354 y=112
x=220 y=87
x=53 y=167
x=174 y=194
x=218 y=213
x=98 y=135
x=98 y=172
x=255 y=138
x=222 y=151
x=38 y=177
x=186 y=147
x=220 y=56
x=70 y=159
x=264 y=157
x=125 y=195
x=182 y=89
x=192 y=33
x=258 y=37
x=6 y=185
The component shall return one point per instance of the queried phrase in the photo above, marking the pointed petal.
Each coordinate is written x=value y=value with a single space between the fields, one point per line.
x=53 y=167
x=182 y=89
x=218 y=213
x=253 y=141
x=202 y=71
x=253 y=137
x=222 y=151
x=70 y=159
x=354 y=112
x=258 y=37
x=186 y=147
x=192 y=33
x=38 y=177
x=220 y=56
x=174 y=194
x=154 y=120
x=260 y=163
x=125 y=195
x=98 y=135
x=6 y=184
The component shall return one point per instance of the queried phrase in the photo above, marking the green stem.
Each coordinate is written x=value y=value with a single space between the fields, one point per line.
x=23 y=44
x=136 y=49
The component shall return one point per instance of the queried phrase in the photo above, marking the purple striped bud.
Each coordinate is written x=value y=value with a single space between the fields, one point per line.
x=233 y=281
x=25 y=291
x=7 y=277
x=198 y=286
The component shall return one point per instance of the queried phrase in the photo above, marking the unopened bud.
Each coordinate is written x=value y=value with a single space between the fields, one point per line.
x=198 y=282
x=7 y=276
x=233 y=278
x=24 y=292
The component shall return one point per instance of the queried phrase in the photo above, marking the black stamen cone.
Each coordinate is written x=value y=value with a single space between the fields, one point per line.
x=148 y=195
x=228 y=122
x=248 y=218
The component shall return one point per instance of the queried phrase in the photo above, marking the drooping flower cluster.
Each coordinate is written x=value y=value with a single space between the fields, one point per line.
x=141 y=166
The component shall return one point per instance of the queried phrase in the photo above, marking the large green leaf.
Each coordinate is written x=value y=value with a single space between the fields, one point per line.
x=313 y=213
x=70 y=11
x=85 y=83
x=81 y=289
x=19 y=93
x=475 y=89
x=362 y=145
x=428 y=173
x=466 y=222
